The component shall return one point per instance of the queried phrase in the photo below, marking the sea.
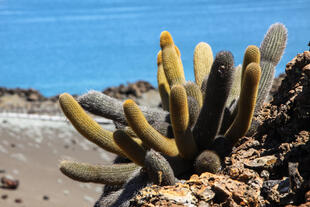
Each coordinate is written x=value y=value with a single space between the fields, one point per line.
x=73 y=46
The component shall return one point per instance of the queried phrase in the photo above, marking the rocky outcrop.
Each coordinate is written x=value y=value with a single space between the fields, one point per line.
x=33 y=102
x=131 y=90
x=27 y=94
x=275 y=86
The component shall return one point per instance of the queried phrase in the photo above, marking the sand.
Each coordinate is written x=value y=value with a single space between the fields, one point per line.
x=30 y=150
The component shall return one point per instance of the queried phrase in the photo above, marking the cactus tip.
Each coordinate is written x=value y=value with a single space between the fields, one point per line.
x=165 y=39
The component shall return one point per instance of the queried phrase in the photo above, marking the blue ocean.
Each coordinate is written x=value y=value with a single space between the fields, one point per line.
x=70 y=46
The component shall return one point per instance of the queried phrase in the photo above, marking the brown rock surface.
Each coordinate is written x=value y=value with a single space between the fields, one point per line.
x=216 y=190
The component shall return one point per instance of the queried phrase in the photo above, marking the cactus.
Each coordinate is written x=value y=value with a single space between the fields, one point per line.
x=247 y=103
x=163 y=85
x=116 y=174
x=235 y=86
x=146 y=132
x=132 y=149
x=218 y=87
x=111 y=108
x=203 y=59
x=171 y=60
x=121 y=197
x=251 y=55
x=180 y=121
x=86 y=125
x=271 y=49
x=158 y=169
x=193 y=110
x=194 y=91
x=204 y=122
x=207 y=161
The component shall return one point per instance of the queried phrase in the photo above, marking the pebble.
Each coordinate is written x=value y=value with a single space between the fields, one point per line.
x=18 y=200
x=9 y=183
x=66 y=192
x=5 y=196
x=19 y=156
x=45 y=197
x=89 y=199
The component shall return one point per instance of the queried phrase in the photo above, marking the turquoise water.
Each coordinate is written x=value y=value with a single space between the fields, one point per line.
x=70 y=46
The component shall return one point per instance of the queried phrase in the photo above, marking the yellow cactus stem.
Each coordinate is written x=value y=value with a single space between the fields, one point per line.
x=133 y=150
x=203 y=59
x=179 y=116
x=163 y=85
x=88 y=127
x=247 y=103
x=171 y=60
x=194 y=91
x=150 y=137
x=236 y=86
x=251 y=55
x=116 y=174
x=178 y=50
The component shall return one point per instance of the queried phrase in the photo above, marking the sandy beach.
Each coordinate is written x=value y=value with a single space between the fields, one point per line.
x=30 y=150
